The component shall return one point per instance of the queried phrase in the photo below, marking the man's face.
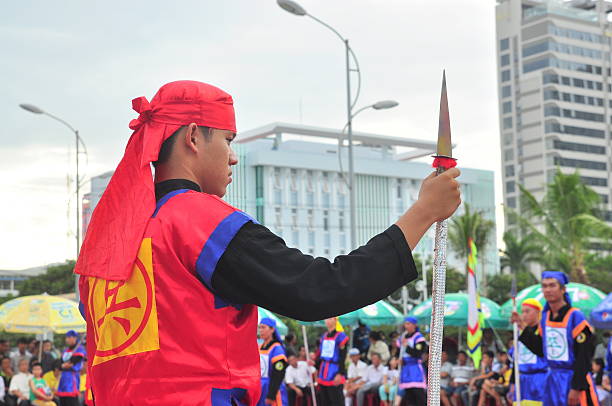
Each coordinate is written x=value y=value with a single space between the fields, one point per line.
x=486 y=360
x=215 y=159
x=265 y=331
x=302 y=352
x=409 y=327
x=21 y=347
x=530 y=315
x=23 y=366
x=70 y=341
x=6 y=363
x=444 y=357
x=355 y=358
x=47 y=347
x=330 y=323
x=461 y=358
x=552 y=290
x=375 y=360
x=292 y=361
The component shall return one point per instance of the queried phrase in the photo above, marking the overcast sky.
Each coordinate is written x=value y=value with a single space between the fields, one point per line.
x=86 y=61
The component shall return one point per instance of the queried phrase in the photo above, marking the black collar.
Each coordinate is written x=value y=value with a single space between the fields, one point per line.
x=167 y=186
x=562 y=312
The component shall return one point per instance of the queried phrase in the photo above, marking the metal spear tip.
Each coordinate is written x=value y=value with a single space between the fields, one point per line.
x=31 y=108
x=385 y=104
x=292 y=7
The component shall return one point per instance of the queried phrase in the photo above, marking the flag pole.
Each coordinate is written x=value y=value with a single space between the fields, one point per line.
x=517 y=374
x=312 y=388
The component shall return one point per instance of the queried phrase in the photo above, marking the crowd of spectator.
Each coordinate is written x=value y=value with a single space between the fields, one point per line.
x=373 y=369
x=30 y=374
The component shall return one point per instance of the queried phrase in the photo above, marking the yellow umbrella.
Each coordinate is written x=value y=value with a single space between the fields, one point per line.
x=40 y=314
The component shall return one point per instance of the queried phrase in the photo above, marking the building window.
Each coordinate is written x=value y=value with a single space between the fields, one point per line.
x=311 y=239
x=505 y=59
x=508 y=155
x=505 y=75
x=294 y=218
x=510 y=186
x=511 y=202
x=507 y=123
x=504 y=44
x=327 y=240
x=594 y=181
x=506 y=91
x=310 y=219
x=508 y=138
x=343 y=240
x=580 y=163
x=341 y=221
x=325 y=220
x=277 y=217
x=509 y=170
x=294 y=197
x=507 y=107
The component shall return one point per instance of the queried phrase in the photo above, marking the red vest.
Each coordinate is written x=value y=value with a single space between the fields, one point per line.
x=163 y=336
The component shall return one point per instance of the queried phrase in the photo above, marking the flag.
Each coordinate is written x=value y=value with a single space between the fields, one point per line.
x=475 y=315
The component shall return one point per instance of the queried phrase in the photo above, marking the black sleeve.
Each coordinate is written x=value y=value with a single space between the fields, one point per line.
x=258 y=268
x=532 y=340
x=75 y=359
x=276 y=378
x=583 y=352
x=342 y=366
x=417 y=350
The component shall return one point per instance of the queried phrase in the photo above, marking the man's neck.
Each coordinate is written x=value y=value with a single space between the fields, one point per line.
x=556 y=306
x=267 y=341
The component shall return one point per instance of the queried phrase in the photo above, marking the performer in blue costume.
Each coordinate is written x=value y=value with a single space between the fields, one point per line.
x=413 y=381
x=533 y=369
x=565 y=339
x=273 y=361
x=330 y=362
x=70 y=378
x=609 y=357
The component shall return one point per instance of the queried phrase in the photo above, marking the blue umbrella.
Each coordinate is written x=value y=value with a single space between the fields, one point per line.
x=601 y=316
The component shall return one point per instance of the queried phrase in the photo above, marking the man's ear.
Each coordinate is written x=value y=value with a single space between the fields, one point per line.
x=191 y=137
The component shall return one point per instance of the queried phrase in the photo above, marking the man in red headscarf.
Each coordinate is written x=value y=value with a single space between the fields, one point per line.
x=171 y=274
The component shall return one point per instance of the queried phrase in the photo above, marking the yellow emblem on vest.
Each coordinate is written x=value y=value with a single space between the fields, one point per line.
x=279 y=366
x=581 y=338
x=124 y=313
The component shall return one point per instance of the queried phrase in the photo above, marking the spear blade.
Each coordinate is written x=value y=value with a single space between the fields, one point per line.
x=444 y=131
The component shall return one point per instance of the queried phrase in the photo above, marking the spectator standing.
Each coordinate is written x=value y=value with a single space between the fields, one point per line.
x=361 y=338
x=20 y=353
x=330 y=363
x=355 y=377
x=19 y=390
x=413 y=379
x=40 y=393
x=48 y=357
x=298 y=377
x=461 y=375
x=446 y=370
x=390 y=383
x=290 y=343
x=378 y=346
x=373 y=378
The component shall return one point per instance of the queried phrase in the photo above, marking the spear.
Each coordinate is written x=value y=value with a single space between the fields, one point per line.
x=515 y=341
x=443 y=160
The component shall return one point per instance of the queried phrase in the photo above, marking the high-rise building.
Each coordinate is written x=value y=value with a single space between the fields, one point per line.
x=554 y=94
x=294 y=186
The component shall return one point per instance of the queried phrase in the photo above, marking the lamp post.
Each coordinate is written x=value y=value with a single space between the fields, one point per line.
x=78 y=142
x=294 y=8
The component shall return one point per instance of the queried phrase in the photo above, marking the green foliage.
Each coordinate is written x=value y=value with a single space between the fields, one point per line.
x=599 y=270
x=571 y=219
x=56 y=280
x=519 y=252
x=455 y=280
x=471 y=224
x=500 y=285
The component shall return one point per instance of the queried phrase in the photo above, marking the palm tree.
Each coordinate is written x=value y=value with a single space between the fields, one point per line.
x=471 y=224
x=519 y=252
x=569 y=222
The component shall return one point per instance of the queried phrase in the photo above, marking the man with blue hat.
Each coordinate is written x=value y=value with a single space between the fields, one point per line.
x=273 y=362
x=565 y=339
x=413 y=381
x=72 y=362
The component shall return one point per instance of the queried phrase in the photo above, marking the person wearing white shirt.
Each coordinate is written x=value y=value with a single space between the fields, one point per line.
x=390 y=384
x=356 y=373
x=19 y=389
x=298 y=377
x=373 y=378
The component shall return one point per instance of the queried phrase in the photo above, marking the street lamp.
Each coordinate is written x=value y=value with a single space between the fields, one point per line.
x=78 y=142
x=294 y=8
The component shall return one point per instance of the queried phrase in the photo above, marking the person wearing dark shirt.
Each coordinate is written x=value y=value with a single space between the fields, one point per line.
x=565 y=339
x=330 y=363
x=212 y=254
x=361 y=338
x=273 y=362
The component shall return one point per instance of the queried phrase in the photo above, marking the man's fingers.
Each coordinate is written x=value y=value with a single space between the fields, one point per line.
x=452 y=172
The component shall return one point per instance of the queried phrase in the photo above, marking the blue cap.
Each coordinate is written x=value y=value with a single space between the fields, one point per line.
x=410 y=319
x=270 y=322
x=72 y=333
x=562 y=278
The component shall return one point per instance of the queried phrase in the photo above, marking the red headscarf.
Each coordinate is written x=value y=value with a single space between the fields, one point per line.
x=120 y=218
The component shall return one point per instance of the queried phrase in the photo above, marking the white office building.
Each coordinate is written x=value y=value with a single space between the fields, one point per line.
x=289 y=179
x=554 y=94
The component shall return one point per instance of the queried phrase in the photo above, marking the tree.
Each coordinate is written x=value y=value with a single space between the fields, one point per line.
x=56 y=280
x=471 y=224
x=500 y=285
x=519 y=252
x=570 y=220
x=599 y=270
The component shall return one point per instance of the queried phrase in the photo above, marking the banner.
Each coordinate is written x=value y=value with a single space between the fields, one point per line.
x=475 y=315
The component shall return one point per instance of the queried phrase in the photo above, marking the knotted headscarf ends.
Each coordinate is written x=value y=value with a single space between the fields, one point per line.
x=119 y=221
